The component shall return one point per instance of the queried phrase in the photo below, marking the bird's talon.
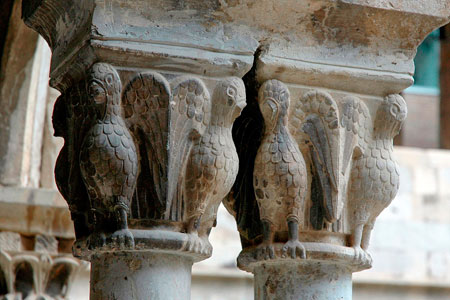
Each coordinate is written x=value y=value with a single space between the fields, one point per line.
x=294 y=249
x=122 y=239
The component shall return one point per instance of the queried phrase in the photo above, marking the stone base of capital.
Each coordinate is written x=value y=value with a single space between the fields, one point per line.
x=325 y=273
x=157 y=266
x=158 y=241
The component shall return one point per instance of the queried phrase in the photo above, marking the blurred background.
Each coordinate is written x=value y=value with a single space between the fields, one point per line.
x=411 y=240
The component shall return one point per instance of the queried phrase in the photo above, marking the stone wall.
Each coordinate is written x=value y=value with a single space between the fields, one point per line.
x=421 y=128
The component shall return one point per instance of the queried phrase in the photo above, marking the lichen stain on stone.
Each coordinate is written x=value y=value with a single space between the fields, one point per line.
x=287 y=18
x=134 y=264
x=343 y=24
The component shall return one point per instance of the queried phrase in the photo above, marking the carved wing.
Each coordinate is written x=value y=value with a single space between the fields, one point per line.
x=146 y=101
x=357 y=125
x=190 y=113
x=72 y=119
x=315 y=123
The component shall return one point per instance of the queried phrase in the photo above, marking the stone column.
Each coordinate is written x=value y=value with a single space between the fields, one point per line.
x=317 y=163
x=150 y=90
x=149 y=93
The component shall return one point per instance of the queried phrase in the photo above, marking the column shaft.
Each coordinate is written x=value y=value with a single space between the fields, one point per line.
x=307 y=282
x=128 y=275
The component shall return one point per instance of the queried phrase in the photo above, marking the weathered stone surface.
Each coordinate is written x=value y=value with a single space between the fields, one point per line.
x=162 y=140
x=34 y=211
x=309 y=282
x=219 y=38
x=151 y=162
x=139 y=276
x=16 y=83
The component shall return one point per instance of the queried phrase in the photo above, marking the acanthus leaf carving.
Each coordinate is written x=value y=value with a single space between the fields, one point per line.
x=32 y=275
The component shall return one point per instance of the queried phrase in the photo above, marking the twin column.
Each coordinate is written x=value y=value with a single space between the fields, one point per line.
x=168 y=112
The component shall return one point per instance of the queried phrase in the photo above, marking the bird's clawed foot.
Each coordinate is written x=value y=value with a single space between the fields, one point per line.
x=96 y=240
x=294 y=249
x=122 y=239
x=265 y=251
x=198 y=244
x=362 y=256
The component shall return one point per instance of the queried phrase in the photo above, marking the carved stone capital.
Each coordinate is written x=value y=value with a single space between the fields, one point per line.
x=149 y=97
x=148 y=157
x=323 y=171
x=36 y=267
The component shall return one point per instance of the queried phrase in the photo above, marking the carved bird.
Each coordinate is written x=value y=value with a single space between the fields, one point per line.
x=108 y=160
x=213 y=163
x=279 y=177
x=374 y=176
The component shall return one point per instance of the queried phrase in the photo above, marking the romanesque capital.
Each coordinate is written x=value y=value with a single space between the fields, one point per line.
x=148 y=156
x=146 y=117
x=150 y=92
x=317 y=169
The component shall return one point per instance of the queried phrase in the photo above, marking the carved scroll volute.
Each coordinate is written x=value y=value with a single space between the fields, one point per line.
x=158 y=155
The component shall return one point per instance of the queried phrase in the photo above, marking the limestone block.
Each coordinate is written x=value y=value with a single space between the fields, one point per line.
x=10 y=241
x=16 y=81
x=34 y=211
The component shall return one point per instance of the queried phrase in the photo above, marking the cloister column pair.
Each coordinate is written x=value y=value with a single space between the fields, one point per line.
x=283 y=110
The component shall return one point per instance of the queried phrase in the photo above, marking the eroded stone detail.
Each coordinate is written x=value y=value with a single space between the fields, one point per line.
x=280 y=173
x=159 y=154
x=347 y=177
x=108 y=160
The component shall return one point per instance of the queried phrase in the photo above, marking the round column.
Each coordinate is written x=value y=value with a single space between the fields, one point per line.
x=145 y=275
x=287 y=280
x=325 y=273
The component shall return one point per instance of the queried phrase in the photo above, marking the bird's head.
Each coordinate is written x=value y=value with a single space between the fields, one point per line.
x=231 y=92
x=273 y=101
x=103 y=87
x=393 y=114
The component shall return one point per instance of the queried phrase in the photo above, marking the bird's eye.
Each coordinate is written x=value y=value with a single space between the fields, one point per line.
x=109 y=79
x=231 y=92
x=395 y=109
